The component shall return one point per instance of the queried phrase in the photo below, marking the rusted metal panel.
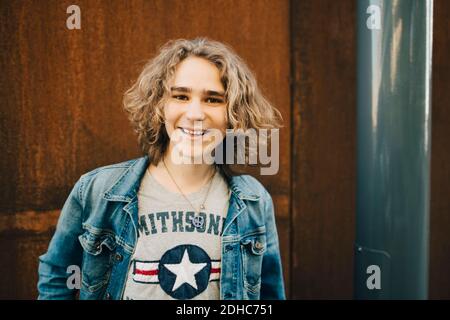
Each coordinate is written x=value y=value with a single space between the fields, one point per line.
x=439 y=286
x=324 y=146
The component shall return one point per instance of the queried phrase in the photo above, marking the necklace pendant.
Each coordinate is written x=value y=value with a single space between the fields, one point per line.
x=202 y=206
x=197 y=222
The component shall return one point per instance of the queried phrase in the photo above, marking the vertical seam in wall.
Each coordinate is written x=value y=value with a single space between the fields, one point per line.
x=292 y=141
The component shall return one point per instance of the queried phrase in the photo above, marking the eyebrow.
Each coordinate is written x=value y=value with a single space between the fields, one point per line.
x=206 y=92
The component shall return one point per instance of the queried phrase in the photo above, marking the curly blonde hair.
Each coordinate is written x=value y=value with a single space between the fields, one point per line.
x=247 y=108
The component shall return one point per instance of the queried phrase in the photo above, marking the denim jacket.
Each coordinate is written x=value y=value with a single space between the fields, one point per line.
x=97 y=231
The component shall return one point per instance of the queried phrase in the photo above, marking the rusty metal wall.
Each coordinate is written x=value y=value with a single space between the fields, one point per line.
x=439 y=281
x=61 y=96
x=324 y=148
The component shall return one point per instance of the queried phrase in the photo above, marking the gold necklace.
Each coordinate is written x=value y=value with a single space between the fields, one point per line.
x=202 y=205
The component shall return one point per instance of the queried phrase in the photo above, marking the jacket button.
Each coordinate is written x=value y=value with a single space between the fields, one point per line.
x=118 y=257
x=108 y=296
x=259 y=245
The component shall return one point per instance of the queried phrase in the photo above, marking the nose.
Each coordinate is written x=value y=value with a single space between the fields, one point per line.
x=194 y=111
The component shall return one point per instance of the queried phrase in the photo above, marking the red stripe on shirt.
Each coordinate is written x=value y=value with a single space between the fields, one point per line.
x=215 y=270
x=147 y=272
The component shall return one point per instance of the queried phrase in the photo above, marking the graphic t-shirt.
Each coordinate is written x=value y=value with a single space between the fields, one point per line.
x=178 y=252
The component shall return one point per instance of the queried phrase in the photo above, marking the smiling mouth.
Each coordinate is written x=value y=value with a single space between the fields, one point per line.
x=195 y=133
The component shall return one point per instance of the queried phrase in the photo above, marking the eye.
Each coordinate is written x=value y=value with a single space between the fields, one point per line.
x=213 y=100
x=180 y=97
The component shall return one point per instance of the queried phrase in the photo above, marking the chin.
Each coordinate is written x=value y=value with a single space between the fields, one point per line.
x=184 y=154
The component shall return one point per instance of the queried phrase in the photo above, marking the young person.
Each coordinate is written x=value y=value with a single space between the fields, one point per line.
x=169 y=225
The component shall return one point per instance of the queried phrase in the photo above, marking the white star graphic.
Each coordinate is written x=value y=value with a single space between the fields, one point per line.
x=185 y=271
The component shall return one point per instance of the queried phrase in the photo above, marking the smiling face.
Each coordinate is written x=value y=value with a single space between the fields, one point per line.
x=196 y=111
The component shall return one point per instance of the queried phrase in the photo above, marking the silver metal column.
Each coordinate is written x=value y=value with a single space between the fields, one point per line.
x=393 y=164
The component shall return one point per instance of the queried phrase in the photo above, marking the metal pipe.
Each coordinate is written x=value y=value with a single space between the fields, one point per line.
x=394 y=46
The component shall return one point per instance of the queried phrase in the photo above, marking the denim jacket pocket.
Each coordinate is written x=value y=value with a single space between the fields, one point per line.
x=98 y=247
x=253 y=246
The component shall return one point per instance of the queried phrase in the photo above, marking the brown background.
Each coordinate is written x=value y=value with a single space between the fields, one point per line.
x=61 y=116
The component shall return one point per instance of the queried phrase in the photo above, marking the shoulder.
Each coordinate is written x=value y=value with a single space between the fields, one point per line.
x=110 y=169
x=100 y=179
x=249 y=186
x=258 y=201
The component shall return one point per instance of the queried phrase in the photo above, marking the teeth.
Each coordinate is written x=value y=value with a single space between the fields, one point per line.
x=193 y=132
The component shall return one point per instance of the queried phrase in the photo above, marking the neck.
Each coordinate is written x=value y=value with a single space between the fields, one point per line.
x=189 y=174
x=188 y=177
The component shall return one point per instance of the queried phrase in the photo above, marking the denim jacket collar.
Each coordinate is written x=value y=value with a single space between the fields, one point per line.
x=127 y=185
